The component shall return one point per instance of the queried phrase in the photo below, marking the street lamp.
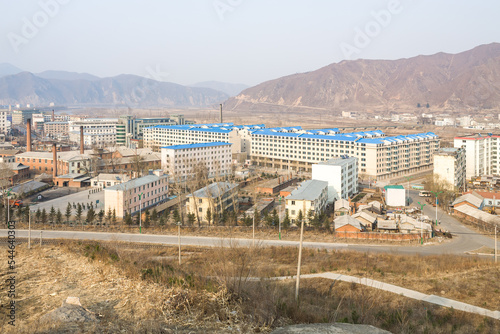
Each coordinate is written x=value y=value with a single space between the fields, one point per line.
x=436 y=193
x=421 y=223
x=408 y=189
x=140 y=213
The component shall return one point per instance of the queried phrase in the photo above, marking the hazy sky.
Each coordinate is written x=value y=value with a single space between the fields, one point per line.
x=239 y=41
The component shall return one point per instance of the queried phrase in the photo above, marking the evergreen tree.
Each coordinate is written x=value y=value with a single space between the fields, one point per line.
x=127 y=219
x=257 y=216
x=166 y=216
x=38 y=215
x=208 y=216
x=286 y=221
x=310 y=216
x=52 y=215
x=113 y=217
x=109 y=216
x=90 y=216
x=59 y=217
x=100 y=215
x=191 y=219
x=154 y=217
x=162 y=221
x=276 y=218
x=300 y=217
x=68 y=213
x=43 y=217
x=79 y=211
x=176 y=216
x=147 y=219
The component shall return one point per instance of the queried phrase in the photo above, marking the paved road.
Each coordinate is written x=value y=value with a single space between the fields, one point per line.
x=453 y=247
x=464 y=238
x=403 y=291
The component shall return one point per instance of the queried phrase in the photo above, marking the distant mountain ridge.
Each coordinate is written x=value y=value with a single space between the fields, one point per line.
x=468 y=79
x=230 y=89
x=67 y=88
x=8 y=69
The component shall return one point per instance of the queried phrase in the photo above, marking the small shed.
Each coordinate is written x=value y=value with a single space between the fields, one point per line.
x=342 y=207
x=366 y=219
x=395 y=195
x=347 y=224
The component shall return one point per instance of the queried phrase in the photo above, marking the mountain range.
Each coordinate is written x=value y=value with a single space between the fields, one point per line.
x=68 y=88
x=469 y=79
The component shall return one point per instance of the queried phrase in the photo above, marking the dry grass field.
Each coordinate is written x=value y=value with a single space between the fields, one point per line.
x=140 y=289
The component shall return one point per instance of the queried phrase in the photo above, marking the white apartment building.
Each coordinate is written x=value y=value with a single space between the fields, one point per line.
x=96 y=131
x=4 y=123
x=341 y=175
x=481 y=154
x=164 y=135
x=378 y=156
x=137 y=194
x=183 y=161
x=310 y=195
x=449 y=164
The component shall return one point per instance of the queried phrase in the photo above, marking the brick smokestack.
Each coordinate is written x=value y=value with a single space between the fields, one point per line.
x=53 y=116
x=82 y=148
x=28 y=135
x=54 y=160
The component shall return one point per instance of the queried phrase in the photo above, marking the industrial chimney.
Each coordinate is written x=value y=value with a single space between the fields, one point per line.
x=28 y=135
x=82 y=148
x=54 y=160
x=221 y=112
x=53 y=116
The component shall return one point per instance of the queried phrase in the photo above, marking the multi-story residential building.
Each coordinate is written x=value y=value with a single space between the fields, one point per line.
x=341 y=175
x=21 y=116
x=55 y=129
x=131 y=128
x=137 y=194
x=378 y=156
x=449 y=165
x=183 y=162
x=481 y=154
x=215 y=198
x=97 y=131
x=162 y=135
x=311 y=196
x=4 y=122
x=68 y=162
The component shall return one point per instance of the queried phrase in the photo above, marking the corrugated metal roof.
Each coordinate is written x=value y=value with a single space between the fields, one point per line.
x=479 y=214
x=136 y=182
x=309 y=190
x=214 y=190
x=347 y=220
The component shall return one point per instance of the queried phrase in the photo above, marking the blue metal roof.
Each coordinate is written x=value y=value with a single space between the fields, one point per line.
x=212 y=127
x=197 y=145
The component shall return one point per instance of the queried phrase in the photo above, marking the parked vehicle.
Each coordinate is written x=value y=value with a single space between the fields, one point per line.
x=424 y=193
x=15 y=203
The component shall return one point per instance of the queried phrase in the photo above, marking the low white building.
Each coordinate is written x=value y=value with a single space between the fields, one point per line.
x=449 y=165
x=310 y=195
x=103 y=180
x=184 y=161
x=137 y=194
x=395 y=195
x=341 y=175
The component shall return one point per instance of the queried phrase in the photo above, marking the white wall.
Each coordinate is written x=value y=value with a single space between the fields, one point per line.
x=395 y=197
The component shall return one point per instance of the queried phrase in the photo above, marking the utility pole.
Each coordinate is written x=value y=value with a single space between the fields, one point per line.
x=496 y=247
x=253 y=231
x=436 y=193
x=29 y=228
x=421 y=223
x=140 y=213
x=279 y=220
x=179 y=238
x=297 y=285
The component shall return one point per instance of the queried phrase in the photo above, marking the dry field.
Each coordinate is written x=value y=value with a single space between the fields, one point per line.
x=140 y=289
